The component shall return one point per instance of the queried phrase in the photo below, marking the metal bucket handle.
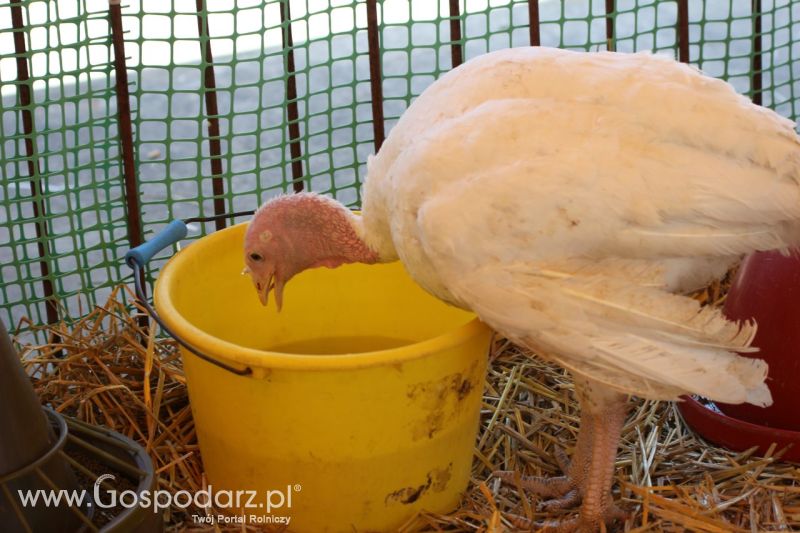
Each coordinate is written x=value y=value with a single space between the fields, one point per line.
x=138 y=257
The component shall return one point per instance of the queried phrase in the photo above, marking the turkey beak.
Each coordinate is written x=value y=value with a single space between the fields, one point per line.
x=271 y=282
x=263 y=285
x=266 y=283
x=278 y=285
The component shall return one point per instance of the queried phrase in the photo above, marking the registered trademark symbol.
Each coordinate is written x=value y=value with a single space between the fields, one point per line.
x=298 y=487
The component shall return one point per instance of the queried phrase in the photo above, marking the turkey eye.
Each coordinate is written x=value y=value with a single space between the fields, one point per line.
x=256 y=257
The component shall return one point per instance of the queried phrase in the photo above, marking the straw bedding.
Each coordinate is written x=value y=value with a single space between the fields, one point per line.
x=116 y=374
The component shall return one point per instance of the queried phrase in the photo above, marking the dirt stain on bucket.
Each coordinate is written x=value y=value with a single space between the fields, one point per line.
x=441 y=399
x=436 y=481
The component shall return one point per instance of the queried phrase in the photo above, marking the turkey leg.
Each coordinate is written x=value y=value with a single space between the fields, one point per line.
x=564 y=490
x=588 y=477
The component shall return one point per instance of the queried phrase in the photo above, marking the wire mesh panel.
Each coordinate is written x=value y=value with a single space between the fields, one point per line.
x=62 y=217
x=233 y=101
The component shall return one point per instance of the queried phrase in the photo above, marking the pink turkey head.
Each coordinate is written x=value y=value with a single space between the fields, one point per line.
x=292 y=233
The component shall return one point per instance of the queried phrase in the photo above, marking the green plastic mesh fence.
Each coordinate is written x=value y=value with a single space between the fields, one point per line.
x=235 y=101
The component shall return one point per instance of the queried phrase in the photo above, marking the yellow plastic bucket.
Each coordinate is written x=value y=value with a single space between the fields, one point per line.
x=343 y=442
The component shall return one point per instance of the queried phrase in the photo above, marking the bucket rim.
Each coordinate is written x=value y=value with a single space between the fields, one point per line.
x=268 y=360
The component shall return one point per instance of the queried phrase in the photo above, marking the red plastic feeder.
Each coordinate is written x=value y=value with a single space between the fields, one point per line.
x=767 y=288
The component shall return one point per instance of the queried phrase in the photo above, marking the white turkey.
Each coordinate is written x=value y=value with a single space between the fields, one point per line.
x=570 y=199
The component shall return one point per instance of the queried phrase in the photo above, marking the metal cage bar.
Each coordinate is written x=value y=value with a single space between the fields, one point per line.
x=34 y=172
x=756 y=70
x=212 y=112
x=683 y=31
x=456 y=48
x=291 y=99
x=534 y=25
x=125 y=128
x=610 y=9
x=375 y=77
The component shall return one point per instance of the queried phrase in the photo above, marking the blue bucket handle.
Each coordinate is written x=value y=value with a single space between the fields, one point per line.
x=138 y=257
x=142 y=254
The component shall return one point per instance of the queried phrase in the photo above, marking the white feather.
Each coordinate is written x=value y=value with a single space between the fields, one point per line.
x=563 y=195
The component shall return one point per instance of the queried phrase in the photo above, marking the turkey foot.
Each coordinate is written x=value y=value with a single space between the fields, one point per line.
x=565 y=490
x=588 y=477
